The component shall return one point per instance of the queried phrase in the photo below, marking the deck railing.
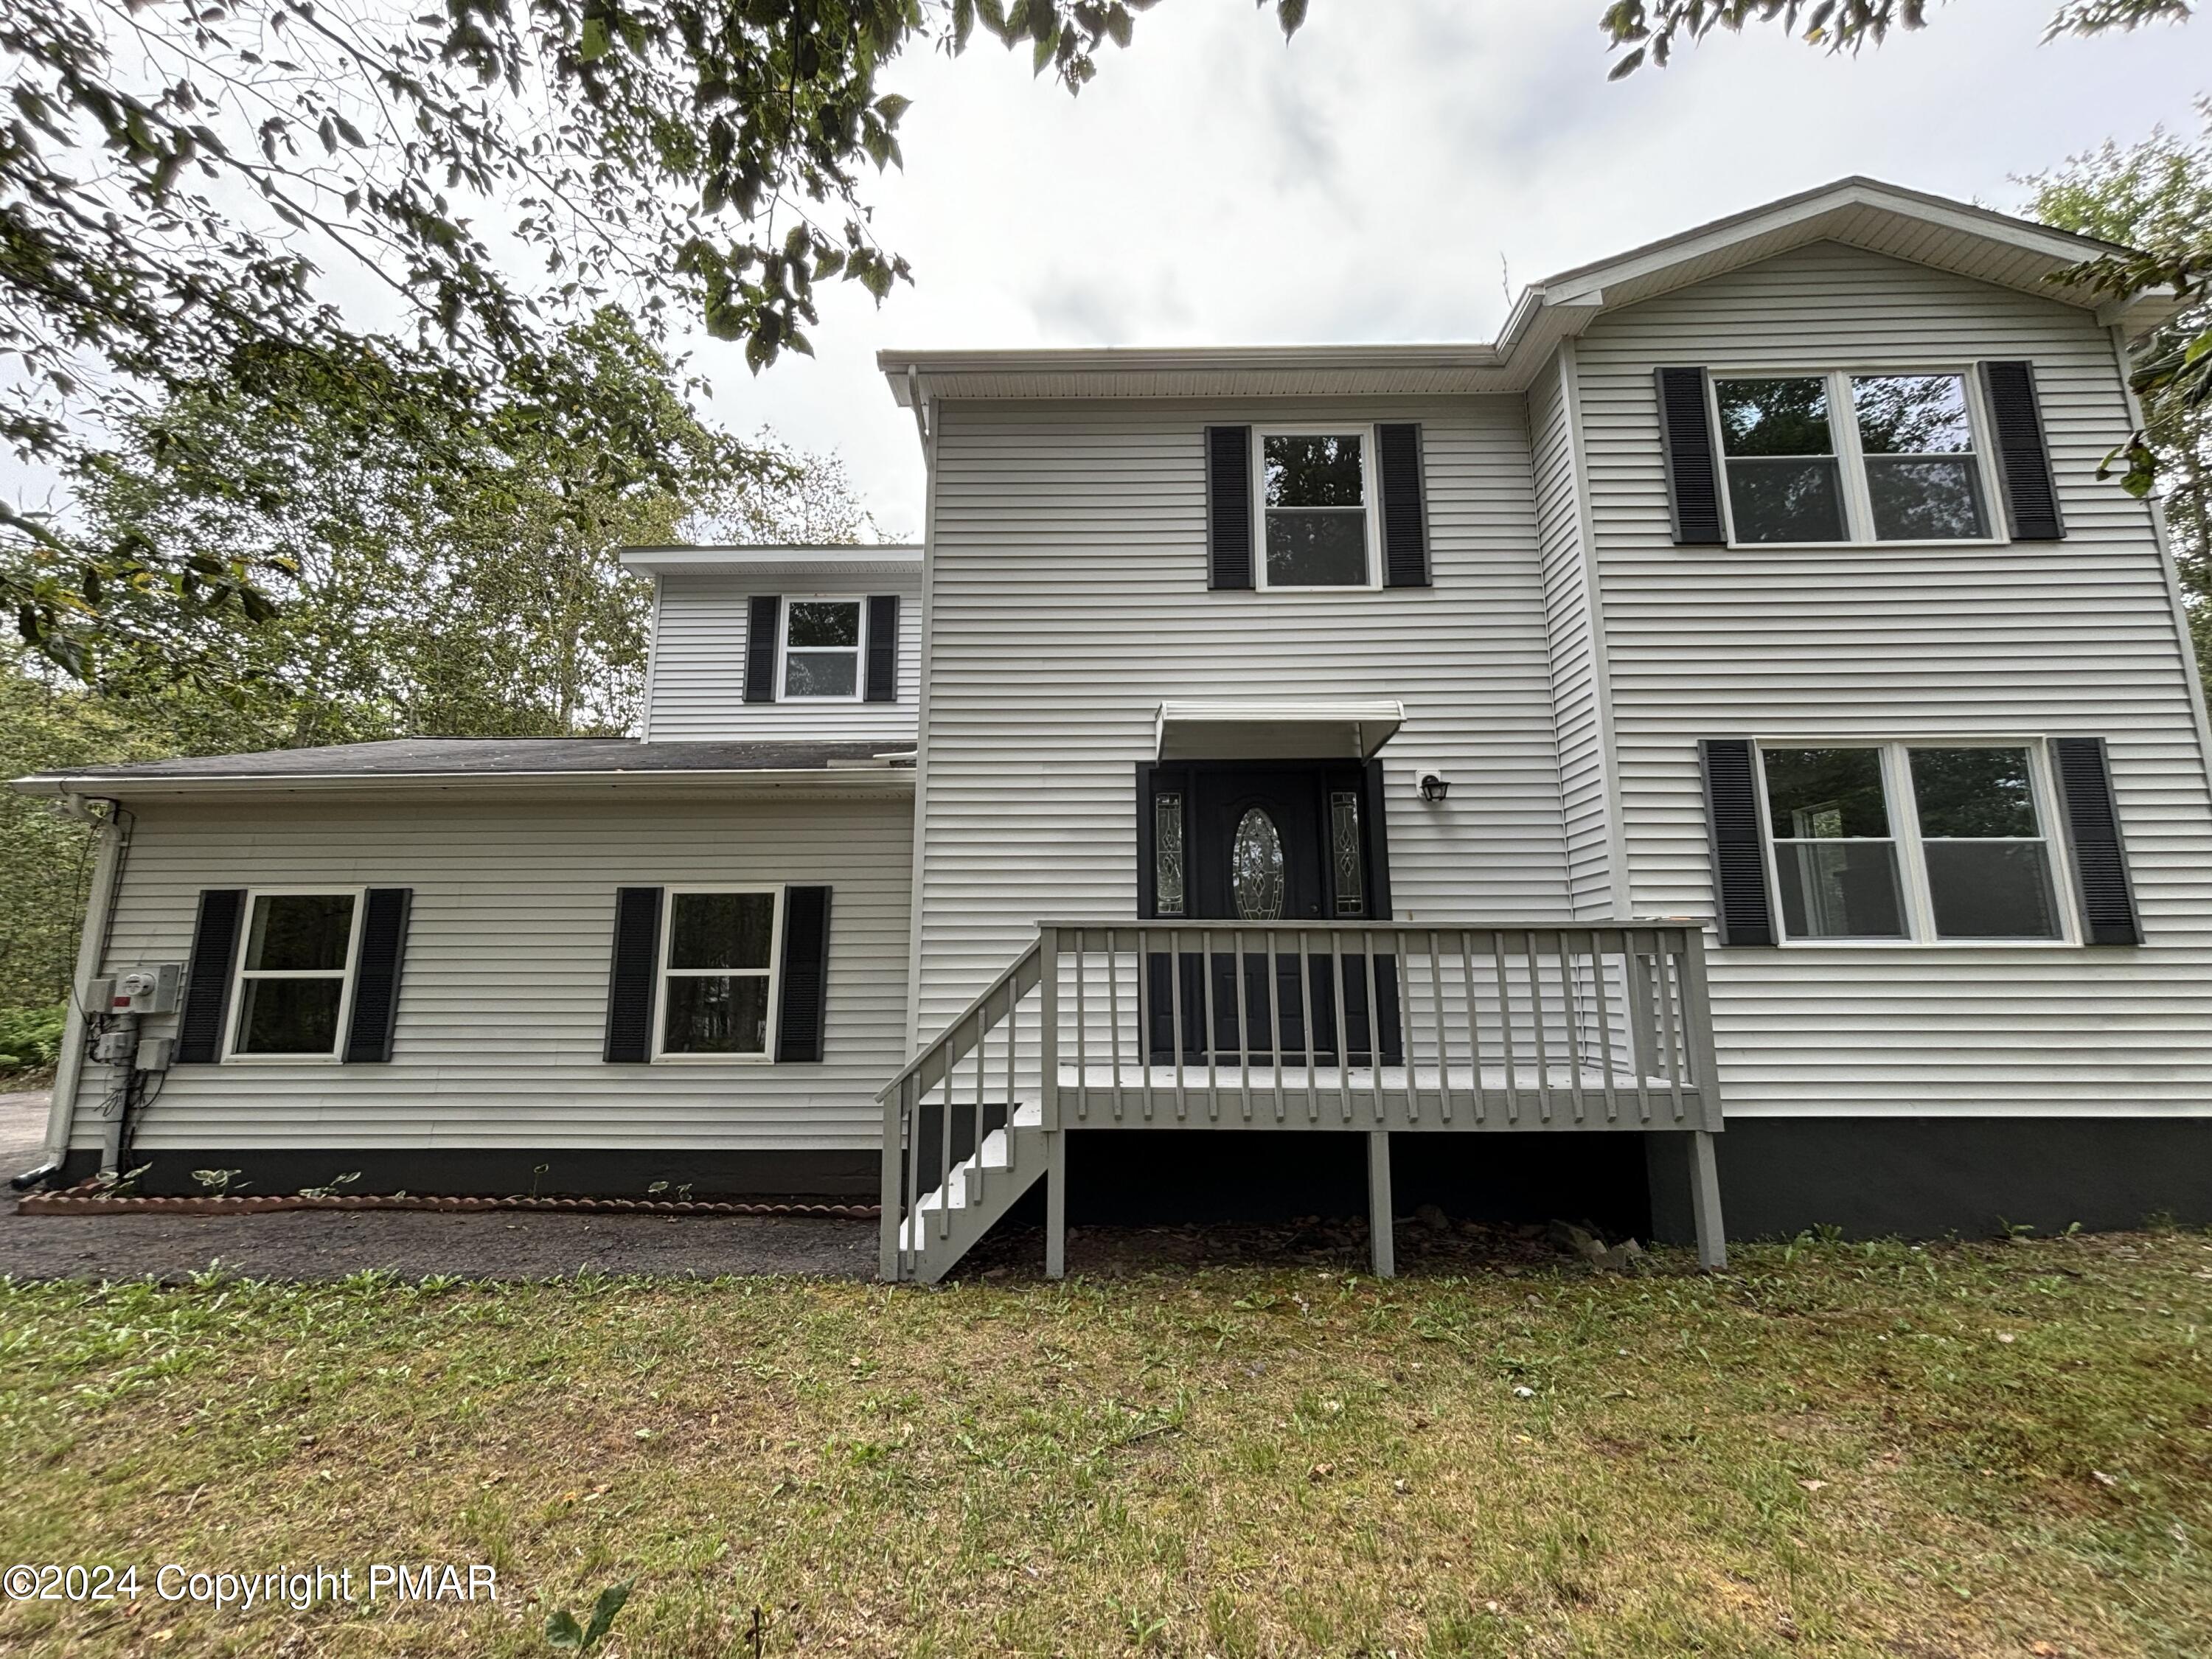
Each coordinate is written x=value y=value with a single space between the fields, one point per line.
x=1314 y=1025
x=1377 y=1026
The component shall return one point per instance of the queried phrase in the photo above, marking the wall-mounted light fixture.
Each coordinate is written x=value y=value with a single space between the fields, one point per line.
x=1434 y=789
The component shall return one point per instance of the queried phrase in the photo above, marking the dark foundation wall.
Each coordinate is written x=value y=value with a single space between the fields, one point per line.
x=1161 y=1176
x=1927 y=1177
x=499 y=1172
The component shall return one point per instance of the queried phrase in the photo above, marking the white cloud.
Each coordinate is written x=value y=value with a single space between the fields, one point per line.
x=1364 y=182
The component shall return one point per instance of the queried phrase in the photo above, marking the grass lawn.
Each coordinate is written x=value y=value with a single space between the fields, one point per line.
x=1991 y=1449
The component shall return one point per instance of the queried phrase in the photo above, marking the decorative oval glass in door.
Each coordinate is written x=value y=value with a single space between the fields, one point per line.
x=1256 y=868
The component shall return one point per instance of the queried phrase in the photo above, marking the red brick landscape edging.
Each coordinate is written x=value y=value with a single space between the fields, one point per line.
x=88 y=1201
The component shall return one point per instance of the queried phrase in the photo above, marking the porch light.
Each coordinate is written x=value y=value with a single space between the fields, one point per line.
x=1434 y=789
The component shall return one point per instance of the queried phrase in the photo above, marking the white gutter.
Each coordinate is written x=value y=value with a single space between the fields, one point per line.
x=841 y=777
x=889 y=560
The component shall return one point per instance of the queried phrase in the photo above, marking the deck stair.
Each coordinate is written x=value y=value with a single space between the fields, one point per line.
x=947 y=1221
x=964 y=1135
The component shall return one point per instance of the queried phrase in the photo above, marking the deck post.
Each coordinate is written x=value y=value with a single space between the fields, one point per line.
x=1381 y=1231
x=1055 y=1142
x=888 y=1264
x=1055 y=1204
x=1706 y=1202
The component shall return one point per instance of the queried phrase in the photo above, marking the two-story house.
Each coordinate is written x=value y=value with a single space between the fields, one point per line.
x=1719 y=742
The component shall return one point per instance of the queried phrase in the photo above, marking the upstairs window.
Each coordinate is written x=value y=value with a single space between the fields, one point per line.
x=293 y=973
x=1851 y=458
x=822 y=651
x=1923 y=480
x=1911 y=841
x=1315 y=506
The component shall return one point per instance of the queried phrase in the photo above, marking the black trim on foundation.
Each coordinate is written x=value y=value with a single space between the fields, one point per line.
x=1923 y=1177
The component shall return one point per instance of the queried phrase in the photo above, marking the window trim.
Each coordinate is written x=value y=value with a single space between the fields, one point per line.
x=232 y=1054
x=662 y=973
x=1903 y=807
x=1850 y=458
x=1370 y=492
x=859 y=650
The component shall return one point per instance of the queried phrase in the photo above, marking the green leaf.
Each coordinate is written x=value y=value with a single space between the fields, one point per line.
x=603 y=1611
x=595 y=42
x=891 y=107
x=562 y=1630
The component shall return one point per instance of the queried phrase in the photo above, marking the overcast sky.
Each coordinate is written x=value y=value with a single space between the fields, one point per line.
x=1213 y=185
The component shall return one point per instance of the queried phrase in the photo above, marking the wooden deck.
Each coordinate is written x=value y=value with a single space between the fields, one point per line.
x=1491 y=1027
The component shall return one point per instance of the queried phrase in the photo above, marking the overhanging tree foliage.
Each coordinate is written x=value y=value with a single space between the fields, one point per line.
x=2158 y=194
x=459 y=579
x=197 y=199
x=1650 y=29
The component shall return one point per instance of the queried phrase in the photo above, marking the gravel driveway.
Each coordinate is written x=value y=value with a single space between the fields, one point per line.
x=414 y=1243
x=323 y=1244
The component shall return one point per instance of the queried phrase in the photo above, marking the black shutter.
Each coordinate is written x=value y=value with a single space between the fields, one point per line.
x=2100 y=861
x=1404 y=509
x=376 y=973
x=2030 y=498
x=883 y=648
x=630 y=980
x=806 y=973
x=1694 y=495
x=207 y=977
x=1228 y=506
x=1738 y=859
x=764 y=620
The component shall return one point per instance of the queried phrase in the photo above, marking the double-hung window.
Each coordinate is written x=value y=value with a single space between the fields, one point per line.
x=293 y=974
x=1840 y=457
x=718 y=971
x=822 y=650
x=1316 y=508
x=1901 y=840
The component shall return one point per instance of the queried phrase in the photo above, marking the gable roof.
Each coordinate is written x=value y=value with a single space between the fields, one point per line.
x=1866 y=213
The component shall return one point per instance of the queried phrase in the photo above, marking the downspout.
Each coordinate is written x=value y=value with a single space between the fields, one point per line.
x=112 y=832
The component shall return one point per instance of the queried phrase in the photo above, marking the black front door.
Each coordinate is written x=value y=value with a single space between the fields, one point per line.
x=1269 y=843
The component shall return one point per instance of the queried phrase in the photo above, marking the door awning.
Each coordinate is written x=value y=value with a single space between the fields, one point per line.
x=1265 y=730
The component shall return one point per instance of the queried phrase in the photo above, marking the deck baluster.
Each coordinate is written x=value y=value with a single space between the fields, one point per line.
x=1343 y=1026
x=1275 y=1028
x=1536 y=1020
x=1601 y=957
x=1506 y=1028
x=1436 y=1014
x=1211 y=1035
x=1571 y=1014
x=1669 y=986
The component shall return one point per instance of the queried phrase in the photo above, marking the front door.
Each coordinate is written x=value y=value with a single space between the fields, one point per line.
x=1269 y=843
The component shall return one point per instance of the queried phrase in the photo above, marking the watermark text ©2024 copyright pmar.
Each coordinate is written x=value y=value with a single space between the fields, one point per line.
x=297 y=1588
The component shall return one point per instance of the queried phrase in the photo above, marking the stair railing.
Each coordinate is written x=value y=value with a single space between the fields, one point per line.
x=950 y=1082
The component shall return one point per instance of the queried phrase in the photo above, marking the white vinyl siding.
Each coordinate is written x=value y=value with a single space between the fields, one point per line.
x=1822 y=645
x=503 y=989
x=1578 y=675
x=698 y=680
x=1070 y=599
